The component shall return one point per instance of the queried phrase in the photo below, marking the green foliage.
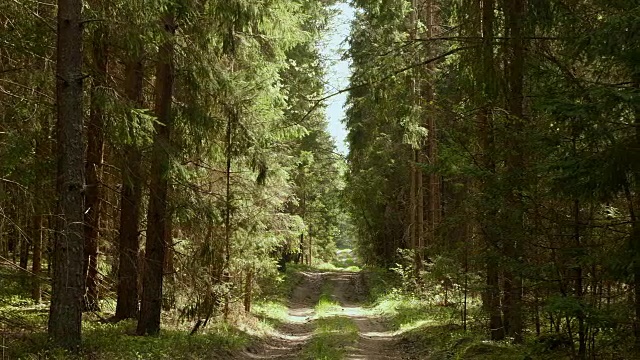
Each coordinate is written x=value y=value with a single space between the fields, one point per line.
x=541 y=195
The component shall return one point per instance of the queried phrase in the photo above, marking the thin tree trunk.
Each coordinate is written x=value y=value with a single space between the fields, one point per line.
x=248 y=290
x=227 y=214
x=130 y=204
x=420 y=216
x=413 y=221
x=13 y=236
x=37 y=232
x=582 y=336
x=300 y=257
x=36 y=267
x=95 y=149
x=151 y=308
x=310 y=238
x=420 y=160
x=25 y=244
x=65 y=315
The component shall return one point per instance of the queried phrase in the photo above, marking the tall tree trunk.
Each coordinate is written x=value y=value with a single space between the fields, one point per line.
x=433 y=188
x=515 y=162
x=95 y=149
x=485 y=134
x=130 y=199
x=635 y=221
x=151 y=308
x=413 y=220
x=65 y=315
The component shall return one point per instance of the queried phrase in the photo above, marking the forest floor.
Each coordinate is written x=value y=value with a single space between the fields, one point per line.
x=326 y=319
x=322 y=313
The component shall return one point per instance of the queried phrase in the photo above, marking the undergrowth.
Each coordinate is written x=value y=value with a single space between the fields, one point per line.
x=271 y=306
x=428 y=329
x=24 y=335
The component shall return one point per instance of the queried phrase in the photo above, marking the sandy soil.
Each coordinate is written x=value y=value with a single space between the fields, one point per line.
x=375 y=342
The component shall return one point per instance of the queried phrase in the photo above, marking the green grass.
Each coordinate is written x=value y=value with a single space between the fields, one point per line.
x=336 y=268
x=331 y=338
x=333 y=334
x=18 y=312
x=115 y=341
x=326 y=305
x=270 y=313
x=324 y=267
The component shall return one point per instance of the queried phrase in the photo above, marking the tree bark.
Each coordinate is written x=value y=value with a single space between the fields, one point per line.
x=151 y=308
x=65 y=315
x=95 y=150
x=635 y=229
x=130 y=199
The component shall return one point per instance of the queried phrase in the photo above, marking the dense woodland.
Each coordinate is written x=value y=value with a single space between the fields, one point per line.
x=498 y=141
x=172 y=147
x=173 y=156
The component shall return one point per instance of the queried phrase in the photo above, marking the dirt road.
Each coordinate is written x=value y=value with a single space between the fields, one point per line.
x=374 y=341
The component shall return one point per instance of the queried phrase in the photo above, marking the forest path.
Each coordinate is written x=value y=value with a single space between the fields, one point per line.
x=374 y=341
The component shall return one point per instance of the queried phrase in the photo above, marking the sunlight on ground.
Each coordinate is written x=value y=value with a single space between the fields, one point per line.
x=415 y=324
x=299 y=316
x=383 y=335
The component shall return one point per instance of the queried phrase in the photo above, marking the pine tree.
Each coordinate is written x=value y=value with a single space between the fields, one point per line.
x=65 y=316
x=157 y=216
